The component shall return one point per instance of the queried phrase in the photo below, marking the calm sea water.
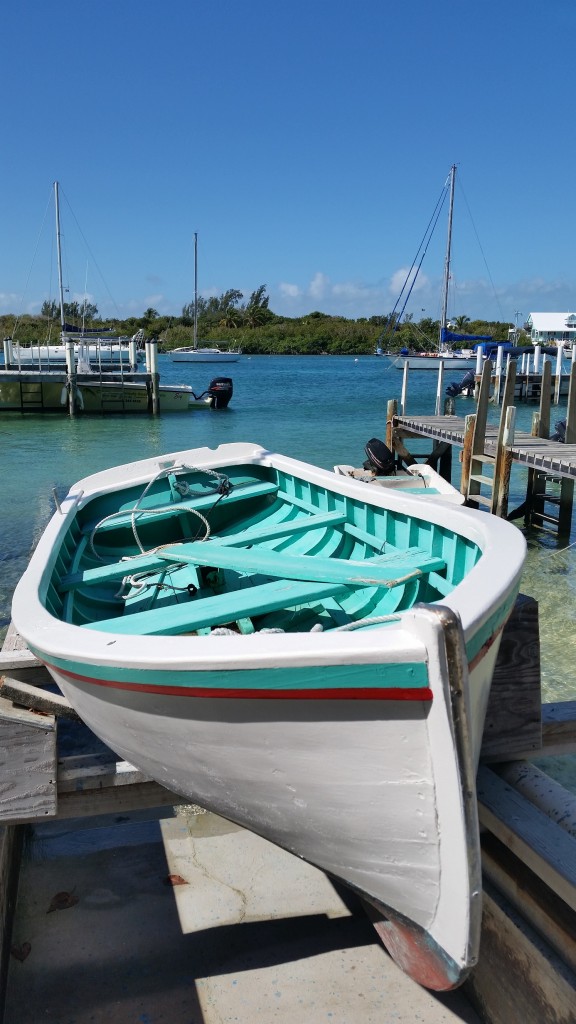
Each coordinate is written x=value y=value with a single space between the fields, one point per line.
x=320 y=409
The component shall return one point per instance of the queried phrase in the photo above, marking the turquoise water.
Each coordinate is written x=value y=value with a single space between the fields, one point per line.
x=320 y=409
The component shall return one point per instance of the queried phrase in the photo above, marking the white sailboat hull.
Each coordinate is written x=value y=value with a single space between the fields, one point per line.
x=203 y=355
x=451 y=360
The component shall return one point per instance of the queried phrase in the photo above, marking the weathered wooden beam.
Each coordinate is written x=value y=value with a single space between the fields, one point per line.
x=531 y=897
x=559 y=727
x=513 y=716
x=503 y=462
x=391 y=414
x=469 y=423
x=518 y=977
x=17 y=659
x=27 y=764
x=545 y=847
x=35 y=699
x=11 y=838
x=96 y=771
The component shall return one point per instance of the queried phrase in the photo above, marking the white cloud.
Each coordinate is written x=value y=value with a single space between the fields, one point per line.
x=318 y=286
x=9 y=302
x=289 y=291
x=400 y=276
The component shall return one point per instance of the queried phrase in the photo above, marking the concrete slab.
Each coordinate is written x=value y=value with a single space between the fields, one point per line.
x=190 y=920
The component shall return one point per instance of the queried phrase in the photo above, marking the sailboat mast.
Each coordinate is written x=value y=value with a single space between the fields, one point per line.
x=448 y=255
x=195 y=289
x=59 y=254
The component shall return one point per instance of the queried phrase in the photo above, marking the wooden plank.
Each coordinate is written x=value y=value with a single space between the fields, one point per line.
x=27 y=765
x=113 y=572
x=367 y=573
x=11 y=839
x=257 y=600
x=529 y=833
x=11 y=714
x=513 y=722
x=151 y=562
x=96 y=771
x=18 y=660
x=37 y=700
x=270 y=531
x=530 y=897
x=518 y=977
x=559 y=727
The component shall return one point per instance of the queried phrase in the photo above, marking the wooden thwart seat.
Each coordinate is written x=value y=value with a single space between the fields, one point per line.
x=239 y=492
x=240 y=604
x=330 y=578
x=150 y=562
x=302 y=567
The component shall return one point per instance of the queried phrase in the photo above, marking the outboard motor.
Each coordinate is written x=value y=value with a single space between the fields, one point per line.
x=559 y=432
x=466 y=384
x=220 y=392
x=380 y=459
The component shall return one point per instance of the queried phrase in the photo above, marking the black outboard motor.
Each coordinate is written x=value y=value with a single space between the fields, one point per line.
x=380 y=459
x=466 y=384
x=559 y=432
x=220 y=392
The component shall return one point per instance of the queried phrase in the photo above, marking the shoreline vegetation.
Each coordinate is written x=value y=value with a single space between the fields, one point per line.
x=253 y=327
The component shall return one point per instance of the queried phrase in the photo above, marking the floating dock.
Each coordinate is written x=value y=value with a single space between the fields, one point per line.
x=70 y=388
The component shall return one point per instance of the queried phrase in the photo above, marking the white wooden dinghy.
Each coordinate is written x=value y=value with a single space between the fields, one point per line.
x=419 y=479
x=302 y=654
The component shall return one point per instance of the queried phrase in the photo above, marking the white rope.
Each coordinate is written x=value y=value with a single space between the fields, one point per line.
x=183 y=489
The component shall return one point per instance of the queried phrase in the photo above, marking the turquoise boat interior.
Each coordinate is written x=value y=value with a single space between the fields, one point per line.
x=246 y=549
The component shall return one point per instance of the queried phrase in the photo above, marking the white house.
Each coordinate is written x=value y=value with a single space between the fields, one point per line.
x=552 y=328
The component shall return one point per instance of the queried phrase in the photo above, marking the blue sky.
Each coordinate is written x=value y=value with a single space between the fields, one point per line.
x=306 y=141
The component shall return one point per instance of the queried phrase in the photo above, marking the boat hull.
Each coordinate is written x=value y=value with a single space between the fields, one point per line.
x=36 y=395
x=203 y=355
x=418 y=479
x=208 y=355
x=290 y=764
x=432 y=362
x=354 y=748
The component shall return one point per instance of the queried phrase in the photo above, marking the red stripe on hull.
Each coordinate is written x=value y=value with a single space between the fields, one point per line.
x=333 y=693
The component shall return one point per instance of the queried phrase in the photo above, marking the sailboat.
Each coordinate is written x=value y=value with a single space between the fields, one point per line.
x=464 y=359
x=82 y=369
x=193 y=354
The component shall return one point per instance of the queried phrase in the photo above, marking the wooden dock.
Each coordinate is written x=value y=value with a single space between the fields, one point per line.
x=488 y=452
x=527 y=967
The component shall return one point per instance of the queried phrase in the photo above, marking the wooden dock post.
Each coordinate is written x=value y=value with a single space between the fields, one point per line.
x=439 y=387
x=391 y=413
x=72 y=377
x=566 y=485
x=152 y=368
x=503 y=461
x=404 y=394
x=535 y=513
x=472 y=476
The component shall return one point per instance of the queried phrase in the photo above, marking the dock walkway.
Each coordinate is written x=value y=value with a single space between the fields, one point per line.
x=488 y=451
x=537 y=452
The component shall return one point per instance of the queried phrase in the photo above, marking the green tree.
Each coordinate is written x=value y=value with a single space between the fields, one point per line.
x=49 y=309
x=461 y=322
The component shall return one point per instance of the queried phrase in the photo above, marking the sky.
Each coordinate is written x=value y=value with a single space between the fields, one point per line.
x=307 y=143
